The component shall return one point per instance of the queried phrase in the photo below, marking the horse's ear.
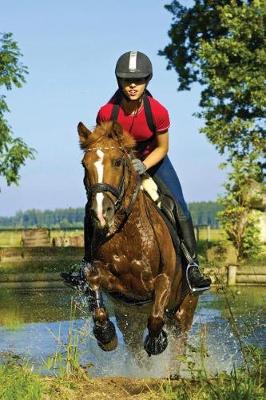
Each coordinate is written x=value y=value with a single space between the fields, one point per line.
x=123 y=137
x=83 y=132
x=117 y=129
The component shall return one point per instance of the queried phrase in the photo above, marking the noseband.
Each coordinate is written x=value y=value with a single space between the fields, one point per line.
x=106 y=187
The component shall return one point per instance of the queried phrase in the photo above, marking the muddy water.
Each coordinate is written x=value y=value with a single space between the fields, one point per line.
x=35 y=324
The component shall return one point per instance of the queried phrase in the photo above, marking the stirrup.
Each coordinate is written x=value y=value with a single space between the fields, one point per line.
x=194 y=290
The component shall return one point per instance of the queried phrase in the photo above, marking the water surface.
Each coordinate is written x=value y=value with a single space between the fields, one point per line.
x=36 y=323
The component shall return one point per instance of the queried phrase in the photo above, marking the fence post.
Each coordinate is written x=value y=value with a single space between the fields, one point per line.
x=232 y=269
x=209 y=233
x=196 y=231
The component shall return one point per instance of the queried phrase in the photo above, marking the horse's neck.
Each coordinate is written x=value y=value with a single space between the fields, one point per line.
x=131 y=203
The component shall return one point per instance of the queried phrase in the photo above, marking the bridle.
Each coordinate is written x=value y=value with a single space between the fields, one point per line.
x=117 y=192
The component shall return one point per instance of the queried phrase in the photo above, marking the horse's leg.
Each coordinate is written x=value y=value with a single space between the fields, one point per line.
x=184 y=318
x=156 y=340
x=185 y=312
x=104 y=329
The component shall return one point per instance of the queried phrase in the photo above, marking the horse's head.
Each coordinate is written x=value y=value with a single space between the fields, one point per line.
x=107 y=168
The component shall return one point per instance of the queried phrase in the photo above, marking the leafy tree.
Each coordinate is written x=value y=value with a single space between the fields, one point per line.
x=239 y=217
x=13 y=151
x=221 y=45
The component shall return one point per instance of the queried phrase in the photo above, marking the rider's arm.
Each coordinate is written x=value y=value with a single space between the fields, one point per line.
x=160 y=151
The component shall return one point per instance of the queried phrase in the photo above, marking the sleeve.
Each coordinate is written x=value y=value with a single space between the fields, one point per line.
x=162 y=121
x=161 y=118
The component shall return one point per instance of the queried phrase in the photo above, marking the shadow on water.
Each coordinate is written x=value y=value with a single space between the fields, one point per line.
x=34 y=322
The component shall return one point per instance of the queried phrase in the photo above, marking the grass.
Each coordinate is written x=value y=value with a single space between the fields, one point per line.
x=18 y=382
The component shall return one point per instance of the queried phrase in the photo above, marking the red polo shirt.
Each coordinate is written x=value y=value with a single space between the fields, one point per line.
x=136 y=124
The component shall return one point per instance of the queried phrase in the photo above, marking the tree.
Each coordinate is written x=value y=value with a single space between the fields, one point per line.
x=221 y=45
x=13 y=151
x=241 y=208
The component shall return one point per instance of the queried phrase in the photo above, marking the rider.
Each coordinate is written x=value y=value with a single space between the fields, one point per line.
x=133 y=72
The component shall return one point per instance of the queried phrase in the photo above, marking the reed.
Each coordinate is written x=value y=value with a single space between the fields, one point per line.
x=65 y=361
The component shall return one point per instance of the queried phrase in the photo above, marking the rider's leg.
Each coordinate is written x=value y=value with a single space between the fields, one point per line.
x=166 y=173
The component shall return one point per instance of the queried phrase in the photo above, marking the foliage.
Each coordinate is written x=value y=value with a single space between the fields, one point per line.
x=13 y=151
x=238 y=217
x=58 y=218
x=221 y=45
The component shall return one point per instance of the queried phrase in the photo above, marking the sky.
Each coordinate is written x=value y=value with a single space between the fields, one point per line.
x=71 y=48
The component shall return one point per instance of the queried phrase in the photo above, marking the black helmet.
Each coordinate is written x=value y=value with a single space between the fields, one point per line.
x=133 y=64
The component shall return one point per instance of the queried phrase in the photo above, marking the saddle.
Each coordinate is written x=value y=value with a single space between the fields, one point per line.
x=165 y=205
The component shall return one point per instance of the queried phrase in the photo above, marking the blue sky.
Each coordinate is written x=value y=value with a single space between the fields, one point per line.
x=71 y=48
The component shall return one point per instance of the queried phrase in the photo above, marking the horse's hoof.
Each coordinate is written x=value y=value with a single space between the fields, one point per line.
x=104 y=333
x=109 y=346
x=155 y=345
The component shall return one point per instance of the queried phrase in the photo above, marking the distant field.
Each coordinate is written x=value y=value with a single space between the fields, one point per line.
x=12 y=238
x=213 y=234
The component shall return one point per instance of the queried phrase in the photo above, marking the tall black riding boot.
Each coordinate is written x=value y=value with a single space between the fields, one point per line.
x=196 y=280
x=185 y=229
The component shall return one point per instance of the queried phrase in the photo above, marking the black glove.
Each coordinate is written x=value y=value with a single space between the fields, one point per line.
x=139 y=167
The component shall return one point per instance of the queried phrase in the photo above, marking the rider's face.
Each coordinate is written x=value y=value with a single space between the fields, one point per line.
x=133 y=88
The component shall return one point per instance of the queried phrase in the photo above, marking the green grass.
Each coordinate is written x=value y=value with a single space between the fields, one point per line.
x=10 y=238
x=59 y=264
x=47 y=259
x=19 y=383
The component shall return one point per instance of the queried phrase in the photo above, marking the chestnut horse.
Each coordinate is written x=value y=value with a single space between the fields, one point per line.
x=133 y=256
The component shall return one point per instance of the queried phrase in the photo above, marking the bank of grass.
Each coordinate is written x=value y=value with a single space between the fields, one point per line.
x=40 y=259
x=20 y=383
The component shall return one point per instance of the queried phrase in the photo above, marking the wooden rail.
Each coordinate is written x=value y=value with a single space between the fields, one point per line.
x=246 y=275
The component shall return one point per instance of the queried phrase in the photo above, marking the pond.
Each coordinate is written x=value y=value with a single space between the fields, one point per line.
x=36 y=324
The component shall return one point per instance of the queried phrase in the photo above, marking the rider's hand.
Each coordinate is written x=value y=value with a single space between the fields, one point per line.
x=139 y=166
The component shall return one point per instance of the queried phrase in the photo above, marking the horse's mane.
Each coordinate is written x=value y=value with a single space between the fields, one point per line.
x=108 y=131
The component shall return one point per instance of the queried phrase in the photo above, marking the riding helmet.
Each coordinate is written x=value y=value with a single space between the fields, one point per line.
x=133 y=64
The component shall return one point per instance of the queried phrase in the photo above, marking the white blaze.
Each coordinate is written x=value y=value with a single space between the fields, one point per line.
x=99 y=196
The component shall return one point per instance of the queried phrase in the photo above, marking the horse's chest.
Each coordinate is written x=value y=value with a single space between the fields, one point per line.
x=130 y=253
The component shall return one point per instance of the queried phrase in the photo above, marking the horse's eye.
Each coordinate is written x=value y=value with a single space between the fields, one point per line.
x=117 y=162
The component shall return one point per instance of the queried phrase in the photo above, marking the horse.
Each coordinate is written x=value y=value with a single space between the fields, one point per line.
x=133 y=257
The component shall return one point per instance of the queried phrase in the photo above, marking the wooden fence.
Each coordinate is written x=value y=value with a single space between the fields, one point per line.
x=39 y=237
x=251 y=275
